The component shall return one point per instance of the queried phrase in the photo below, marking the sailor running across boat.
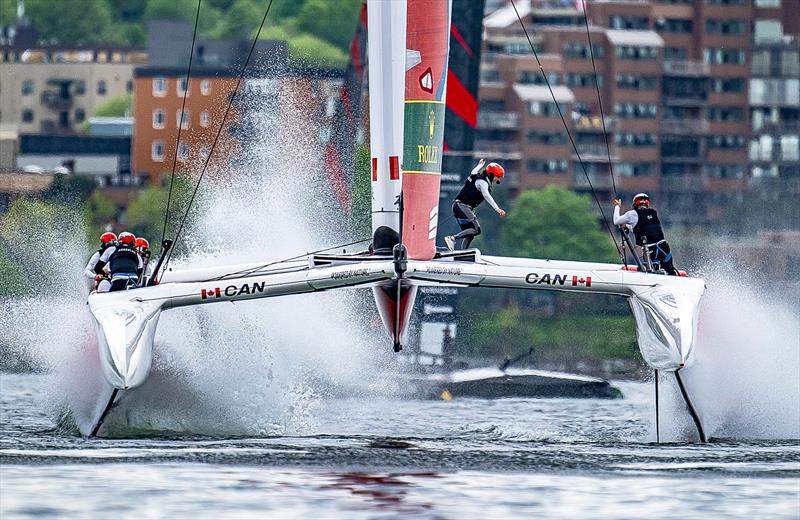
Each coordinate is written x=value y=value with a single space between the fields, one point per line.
x=647 y=230
x=477 y=188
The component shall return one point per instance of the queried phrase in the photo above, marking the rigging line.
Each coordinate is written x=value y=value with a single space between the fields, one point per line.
x=216 y=137
x=599 y=100
x=566 y=128
x=269 y=264
x=180 y=123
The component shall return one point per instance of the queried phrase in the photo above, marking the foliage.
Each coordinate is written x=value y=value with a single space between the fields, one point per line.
x=170 y=10
x=307 y=49
x=555 y=223
x=333 y=22
x=100 y=214
x=74 y=21
x=361 y=202
x=69 y=189
x=119 y=106
x=145 y=215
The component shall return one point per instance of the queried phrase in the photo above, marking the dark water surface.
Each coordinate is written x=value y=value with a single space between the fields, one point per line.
x=382 y=458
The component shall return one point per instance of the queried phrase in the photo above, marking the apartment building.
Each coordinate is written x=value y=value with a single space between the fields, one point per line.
x=676 y=89
x=54 y=90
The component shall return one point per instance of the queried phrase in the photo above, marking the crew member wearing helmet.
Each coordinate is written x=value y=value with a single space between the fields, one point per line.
x=143 y=248
x=100 y=282
x=477 y=188
x=643 y=220
x=124 y=263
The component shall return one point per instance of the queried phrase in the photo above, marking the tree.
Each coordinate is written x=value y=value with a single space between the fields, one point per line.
x=69 y=189
x=171 y=10
x=74 y=21
x=311 y=51
x=333 y=22
x=100 y=214
x=555 y=223
x=119 y=106
x=361 y=202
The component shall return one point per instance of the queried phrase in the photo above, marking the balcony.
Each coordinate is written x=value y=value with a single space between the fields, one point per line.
x=55 y=101
x=498 y=120
x=686 y=68
x=684 y=126
x=682 y=183
x=595 y=124
x=599 y=181
x=595 y=153
x=498 y=149
x=685 y=99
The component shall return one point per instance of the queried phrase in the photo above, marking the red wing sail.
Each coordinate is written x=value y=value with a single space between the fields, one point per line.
x=427 y=44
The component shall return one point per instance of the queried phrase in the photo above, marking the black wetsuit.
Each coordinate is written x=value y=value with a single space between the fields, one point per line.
x=464 y=210
x=650 y=236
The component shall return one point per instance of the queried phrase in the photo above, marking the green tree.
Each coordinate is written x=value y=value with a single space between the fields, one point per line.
x=100 y=214
x=361 y=203
x=69 y=189
x=334 y=22
x=8 y=13
x=120 y=106
x=309 y=50
x=242 y=18
x=171 y=10
x=73 y=21
x=128 y=10
x=555 y=223
x=145 y=215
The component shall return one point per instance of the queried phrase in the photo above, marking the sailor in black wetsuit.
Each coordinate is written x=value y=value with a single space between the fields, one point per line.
x=477 y=188
x=647 y=229
x=124 y=263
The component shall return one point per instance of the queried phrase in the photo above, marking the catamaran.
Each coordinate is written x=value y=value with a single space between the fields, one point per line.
x=408 y=41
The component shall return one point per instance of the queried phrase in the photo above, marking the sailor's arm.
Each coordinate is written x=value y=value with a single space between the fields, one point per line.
x=89 y=270
x=477 y=169
x=483 y=187
x=629 y=218
x=103 y=260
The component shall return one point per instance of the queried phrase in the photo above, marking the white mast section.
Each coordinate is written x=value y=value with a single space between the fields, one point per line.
x=387 y=59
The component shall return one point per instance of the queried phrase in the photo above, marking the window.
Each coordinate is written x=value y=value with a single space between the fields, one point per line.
x=630 y=52
x=183 y=152
x=724 y=56
x=790 y=147
x=101 y=87
x=490 y=76
x=205 y=87
x=675 y=53
x=726 y=26
x=768 y=3
x=159 y=119
x=637 y=82
x=725 y=114
x=577 y=50
x=80 y=87
x=205 y=119
x=537 y=137
x=724 y=171
x=157 y=151
x=542 y=108
x=725 y=2
x=636 y=110
x=27 y=87
x=27 y=115
x=574 y=79
x=725 y=142
x=80 y=115
x=180 y=87
x=768 y=30
x=183 y=122
x=159 y=87
x=635 y=169
x=727 y=85
x=635 y=139
x=629 y=22
x=534 y=77
x=674 y=25
x=547 y=166
x=775 y=92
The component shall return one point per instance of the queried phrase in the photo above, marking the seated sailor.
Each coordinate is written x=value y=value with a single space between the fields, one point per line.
x=124 y=263
x=477 y=188
x=106 y=240
x=643 y=220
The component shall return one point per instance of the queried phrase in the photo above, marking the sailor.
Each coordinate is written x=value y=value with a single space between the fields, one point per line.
x=477 y=188
x=143 y=248
x=643 y=220
x=107 y=240
x=123 y=261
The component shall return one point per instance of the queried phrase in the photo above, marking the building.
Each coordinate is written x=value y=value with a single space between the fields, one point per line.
x=54 y=90
x=676 y=89
x=159 y=91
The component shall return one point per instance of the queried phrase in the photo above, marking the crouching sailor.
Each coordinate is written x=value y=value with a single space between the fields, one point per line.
x=477 y=188
x=648 y=232
x=99 y=280
x=124 y=263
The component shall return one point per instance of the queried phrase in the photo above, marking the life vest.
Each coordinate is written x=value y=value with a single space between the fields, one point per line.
x=648 y=227
x=470 y=194
x=125 y=260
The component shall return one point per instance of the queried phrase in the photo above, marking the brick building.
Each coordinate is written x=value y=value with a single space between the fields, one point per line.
x=676 y=89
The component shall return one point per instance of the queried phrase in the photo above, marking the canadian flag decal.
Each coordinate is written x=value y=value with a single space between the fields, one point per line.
x=582 y=281
x=211 y=293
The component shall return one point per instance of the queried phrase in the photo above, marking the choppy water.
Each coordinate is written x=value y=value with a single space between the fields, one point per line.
x=387 y=458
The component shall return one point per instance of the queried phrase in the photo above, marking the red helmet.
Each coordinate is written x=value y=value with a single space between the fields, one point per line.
x=142 y=243
x=127 y=238
x=641 y=199
x=107 y=238
x=496 y=170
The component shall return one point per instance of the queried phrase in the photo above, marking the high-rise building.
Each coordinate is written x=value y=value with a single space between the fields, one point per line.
x=677 y=79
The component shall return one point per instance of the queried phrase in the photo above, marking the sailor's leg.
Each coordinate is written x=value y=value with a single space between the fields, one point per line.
x=104 y=285
x=468 y=222
x=663 y=255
